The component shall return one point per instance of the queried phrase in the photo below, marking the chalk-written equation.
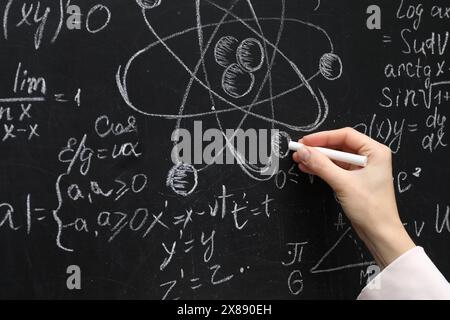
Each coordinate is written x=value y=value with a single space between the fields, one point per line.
x=28 y=91
x=422 y=61
x=80 y=160
x=45 y=20
x=97 y=97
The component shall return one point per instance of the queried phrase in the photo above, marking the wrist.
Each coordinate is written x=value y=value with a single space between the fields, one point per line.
x=388 y=242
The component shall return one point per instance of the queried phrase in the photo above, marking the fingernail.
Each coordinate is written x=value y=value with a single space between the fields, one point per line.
x=304 y=154
x=296 y=156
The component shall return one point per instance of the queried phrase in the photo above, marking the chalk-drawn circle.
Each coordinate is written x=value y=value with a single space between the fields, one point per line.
x=225 y=51
x=236 y=82
x=148 y=4
x=280 y=144
x=94 y=9
x=330 y=66
x=250 y=55
x=182 y=179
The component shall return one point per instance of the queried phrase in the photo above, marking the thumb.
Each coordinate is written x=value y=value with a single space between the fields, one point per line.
x=320 y=165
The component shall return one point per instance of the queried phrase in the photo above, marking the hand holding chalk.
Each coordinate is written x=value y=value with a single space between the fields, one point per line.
x=367 y=195
x=346 y=157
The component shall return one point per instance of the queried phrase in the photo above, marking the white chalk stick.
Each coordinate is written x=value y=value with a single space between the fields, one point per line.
x=346 y=157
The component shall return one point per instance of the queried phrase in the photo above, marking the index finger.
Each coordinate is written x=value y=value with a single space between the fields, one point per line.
x=347 y=138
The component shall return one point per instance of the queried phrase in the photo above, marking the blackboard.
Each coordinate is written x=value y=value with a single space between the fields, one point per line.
x=92 y=203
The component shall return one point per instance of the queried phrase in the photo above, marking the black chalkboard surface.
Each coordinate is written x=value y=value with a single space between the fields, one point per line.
x=99 y=98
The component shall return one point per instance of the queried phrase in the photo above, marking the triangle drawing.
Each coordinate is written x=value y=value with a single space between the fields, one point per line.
x=321 y=267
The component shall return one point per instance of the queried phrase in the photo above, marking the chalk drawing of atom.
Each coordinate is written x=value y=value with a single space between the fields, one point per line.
x=226 y=57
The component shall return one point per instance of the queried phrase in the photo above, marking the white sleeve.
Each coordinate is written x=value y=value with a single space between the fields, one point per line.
x=412 y=276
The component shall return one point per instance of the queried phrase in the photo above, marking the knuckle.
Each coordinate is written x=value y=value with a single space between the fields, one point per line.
x=349 y=130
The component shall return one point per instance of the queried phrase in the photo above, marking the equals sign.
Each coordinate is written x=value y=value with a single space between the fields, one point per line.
x=59 y=97
x=101 y=153
x=412 y=127
x=387 y=39
x=40 y=210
